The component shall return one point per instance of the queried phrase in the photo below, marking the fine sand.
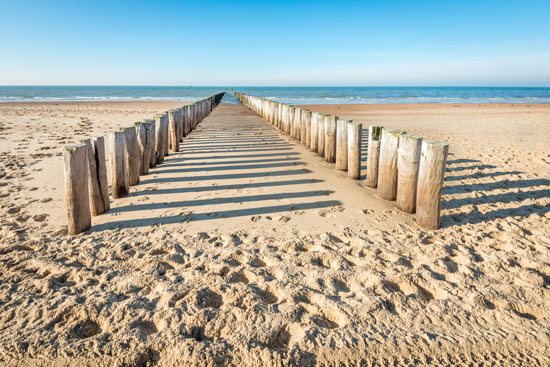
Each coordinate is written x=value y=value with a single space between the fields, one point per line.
x=245 y=248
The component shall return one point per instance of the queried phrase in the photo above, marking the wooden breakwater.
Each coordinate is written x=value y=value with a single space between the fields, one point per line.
x=133 y=150
x=402 y=167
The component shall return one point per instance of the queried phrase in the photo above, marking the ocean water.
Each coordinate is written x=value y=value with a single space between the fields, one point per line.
x=291 y=95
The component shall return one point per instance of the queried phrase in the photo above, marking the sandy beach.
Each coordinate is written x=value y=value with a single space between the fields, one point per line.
x=245 y=248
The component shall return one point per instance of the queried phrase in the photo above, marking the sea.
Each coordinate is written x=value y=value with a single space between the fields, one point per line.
x=290 y=95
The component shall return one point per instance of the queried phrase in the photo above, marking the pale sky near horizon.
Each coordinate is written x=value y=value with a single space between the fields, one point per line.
x=276 y=43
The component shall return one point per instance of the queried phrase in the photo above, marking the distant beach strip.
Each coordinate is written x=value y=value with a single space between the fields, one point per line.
x=289 y=95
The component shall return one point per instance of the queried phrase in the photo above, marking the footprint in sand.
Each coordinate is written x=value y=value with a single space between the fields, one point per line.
x=14 y=210
x=366 y=211
x=278 y=218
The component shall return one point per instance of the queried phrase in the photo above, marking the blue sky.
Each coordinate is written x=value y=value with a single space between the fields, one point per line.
x=277 y=43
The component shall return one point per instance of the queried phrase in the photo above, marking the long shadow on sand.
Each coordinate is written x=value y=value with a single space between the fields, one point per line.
x=252 y=185
x=230 y=167
x=230 y=176
x=482 y=205
x=222 y=200
x=145 y=222
x=208 y=157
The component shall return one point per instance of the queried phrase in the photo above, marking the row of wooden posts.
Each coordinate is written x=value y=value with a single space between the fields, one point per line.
x=133 y=150
x=403 y=167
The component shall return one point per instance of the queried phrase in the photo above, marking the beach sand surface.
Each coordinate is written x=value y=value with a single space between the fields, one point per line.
x=245 y=248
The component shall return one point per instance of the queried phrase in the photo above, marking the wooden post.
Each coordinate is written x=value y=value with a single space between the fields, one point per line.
x=273 y=107
x=150 y=147
x=387 y=168
x=179 y=124
x=279 y=114
x=289 y=118
x=303 y=123
x=166 y=136
x=433 y=160
x=298 y=124
x=341 y=159
x=101 y=164
x=186 y=120
x=373 y=155
x=173 y=131
x=283 y=116
x=96 y=200
x=314 y=131
x=159 y=138
x=75 y=162
x=119 y=170
x=196 y=113
x=295 y=127
x=330 y=138
x=307 y=119
x=321 y=134
x=133 y=159
x=191 y=117
x=408 y=157
x=354 y=150
x=141 y=134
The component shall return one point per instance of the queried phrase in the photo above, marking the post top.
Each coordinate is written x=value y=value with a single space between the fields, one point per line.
x=411 y=136
x=73 y=147
x=435 y=143
x=395 y=133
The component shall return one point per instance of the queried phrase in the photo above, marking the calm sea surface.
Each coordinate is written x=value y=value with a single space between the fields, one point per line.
x=291 y=95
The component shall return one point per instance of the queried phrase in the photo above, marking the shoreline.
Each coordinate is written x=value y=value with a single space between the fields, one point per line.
x=161 y=101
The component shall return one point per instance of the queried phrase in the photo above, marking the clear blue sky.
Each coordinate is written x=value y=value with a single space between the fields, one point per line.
x=330 y=43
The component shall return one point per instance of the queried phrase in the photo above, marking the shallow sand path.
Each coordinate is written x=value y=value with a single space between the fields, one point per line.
x=236 y=172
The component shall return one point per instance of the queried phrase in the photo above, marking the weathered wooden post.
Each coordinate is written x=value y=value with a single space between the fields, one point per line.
x=191 y=117
x=408 y=158
x=173 y=131
x=133 y=161
x=330 y=138
x=159 y=137
x=289 y=118
x=303 y=123
x=186 y=120
x=101 y=164
x=314 y=131
x=273 y=106
x=166 y=143
x=96 y=199
x=179 y=124
x=119 y=170
x=354 y=150
x=341 y=159
x=279 y=115
x=197 y=115
x=295 y=129
x=141 y=134
x=150 y=132
x=387 y=168
x=322 y=123
x=307 y=119
x=373 y=155
x=433 y=160
x=75 y=162
x=291 y=121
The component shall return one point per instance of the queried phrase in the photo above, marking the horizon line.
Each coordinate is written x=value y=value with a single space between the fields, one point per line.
x=273 y=86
